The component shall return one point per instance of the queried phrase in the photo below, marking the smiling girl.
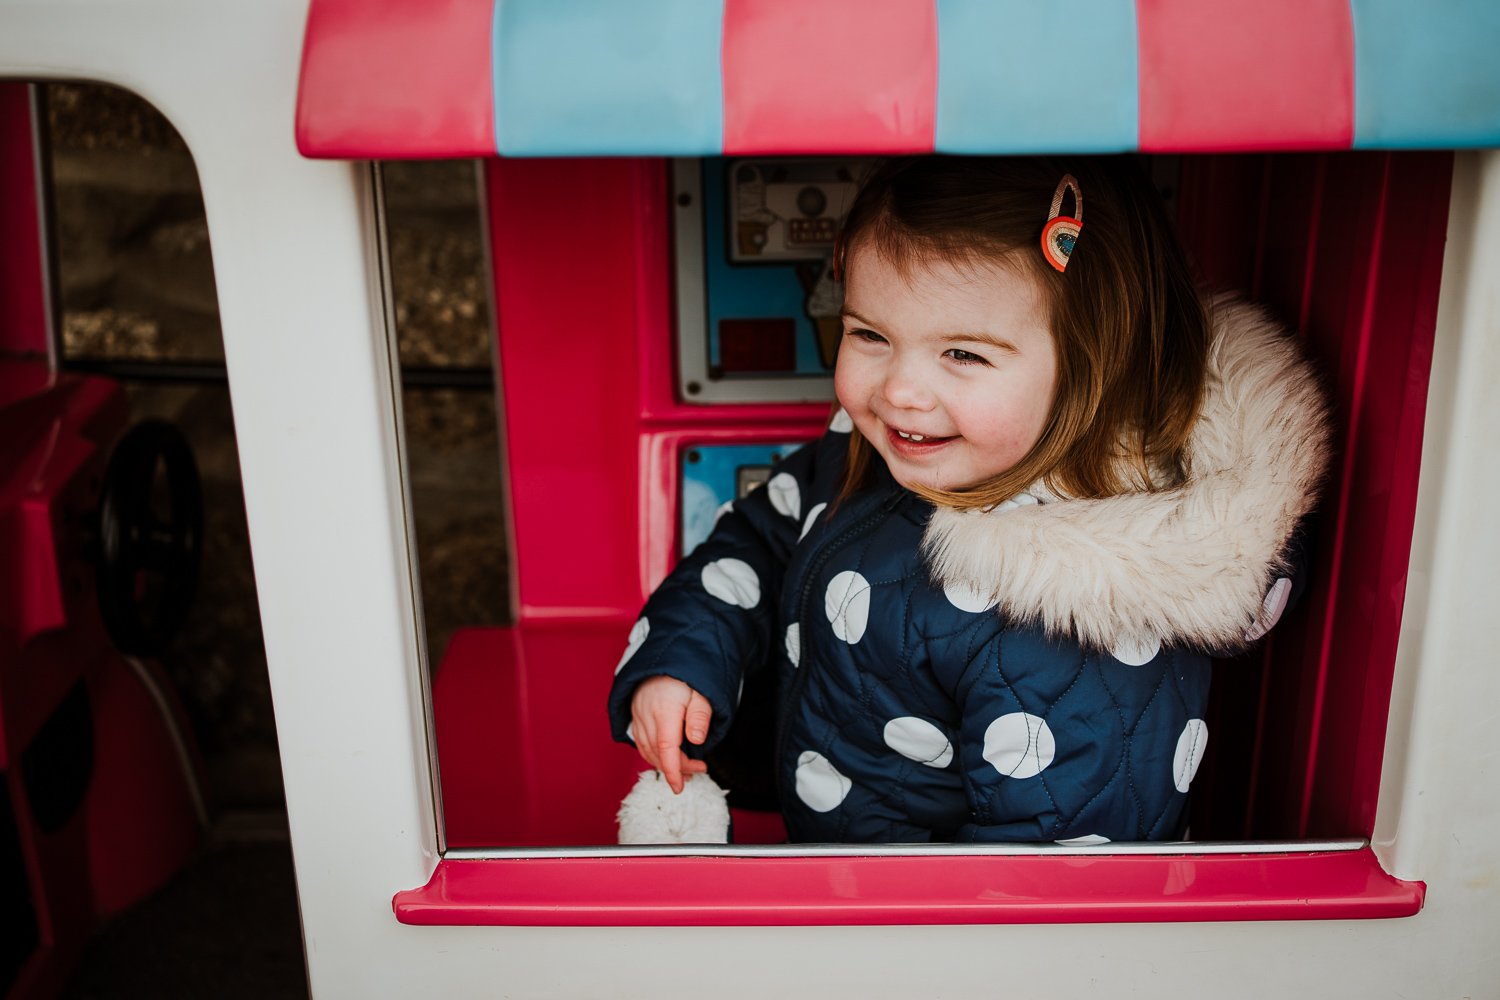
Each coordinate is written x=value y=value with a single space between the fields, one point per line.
x=1058 y=482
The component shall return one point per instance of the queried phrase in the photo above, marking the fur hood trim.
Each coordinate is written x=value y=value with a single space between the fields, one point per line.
x=1188 y=565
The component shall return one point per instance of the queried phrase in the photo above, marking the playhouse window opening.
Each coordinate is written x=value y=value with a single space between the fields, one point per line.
x=1285 y=762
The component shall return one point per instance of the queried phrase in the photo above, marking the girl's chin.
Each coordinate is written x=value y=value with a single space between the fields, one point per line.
x=927 y=482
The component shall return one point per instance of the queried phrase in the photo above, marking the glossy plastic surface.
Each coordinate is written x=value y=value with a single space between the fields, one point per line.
x=1233 y=76
x=840 y=76
x=23 y=290
x=640 y=77
x=402 y=78
x=1037 y=889
x=391 y=68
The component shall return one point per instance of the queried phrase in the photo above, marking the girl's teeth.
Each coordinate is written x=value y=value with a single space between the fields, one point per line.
x=913 y=437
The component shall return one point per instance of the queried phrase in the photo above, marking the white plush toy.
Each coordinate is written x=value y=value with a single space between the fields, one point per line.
x=651 y=814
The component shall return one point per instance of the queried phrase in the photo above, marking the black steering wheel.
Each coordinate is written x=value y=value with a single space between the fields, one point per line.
x=150 y=538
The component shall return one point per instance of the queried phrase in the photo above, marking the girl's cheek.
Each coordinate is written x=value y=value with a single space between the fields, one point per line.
x=843 y=382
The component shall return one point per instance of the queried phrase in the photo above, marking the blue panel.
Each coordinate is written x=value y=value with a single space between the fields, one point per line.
x=749 y=291
x=710 y=476
x=1020 y=76
x=602 y=77
x=1426 y=74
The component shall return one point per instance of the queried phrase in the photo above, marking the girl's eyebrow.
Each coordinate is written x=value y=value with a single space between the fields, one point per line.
x=981 y=337
x=975 y=337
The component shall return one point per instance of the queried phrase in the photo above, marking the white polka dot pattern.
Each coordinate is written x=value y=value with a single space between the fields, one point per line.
x=847 y=604
x=733 y=582
x=1189 y=753
x=638 y=633
x=724 y=508
x=785 y=495
x=966 y=598
x=820 y=786
x=812 y=518
x=794 y=643
x=841 y=423
x=1019 y=745
x=1135 y=653
x=1271 y=609
x=918 y=740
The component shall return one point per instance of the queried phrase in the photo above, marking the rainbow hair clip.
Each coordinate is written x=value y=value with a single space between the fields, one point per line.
x=1060 y=234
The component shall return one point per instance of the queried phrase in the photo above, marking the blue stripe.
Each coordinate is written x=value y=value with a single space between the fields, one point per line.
x=604 y=77
x=1019 y=76
x=1426 y=75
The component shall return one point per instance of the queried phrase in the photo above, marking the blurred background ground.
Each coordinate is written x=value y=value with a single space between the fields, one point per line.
x=135 y=278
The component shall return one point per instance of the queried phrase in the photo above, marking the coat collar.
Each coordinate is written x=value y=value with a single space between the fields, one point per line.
x=1189 y=565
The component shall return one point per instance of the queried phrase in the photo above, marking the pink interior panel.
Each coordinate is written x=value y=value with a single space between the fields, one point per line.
x=562 y=244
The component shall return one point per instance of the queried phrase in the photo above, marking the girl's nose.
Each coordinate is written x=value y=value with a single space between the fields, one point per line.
x=905 y=388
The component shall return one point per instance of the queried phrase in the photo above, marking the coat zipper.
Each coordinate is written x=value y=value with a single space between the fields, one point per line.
x=804 y=664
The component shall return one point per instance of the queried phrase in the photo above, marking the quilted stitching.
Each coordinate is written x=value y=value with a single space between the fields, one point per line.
x=917 y=655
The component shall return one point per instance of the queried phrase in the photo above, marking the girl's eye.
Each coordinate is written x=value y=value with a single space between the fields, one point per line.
x=965 y=357
x=869 y=336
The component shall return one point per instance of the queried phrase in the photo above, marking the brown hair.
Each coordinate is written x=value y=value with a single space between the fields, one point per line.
x=1129 y=327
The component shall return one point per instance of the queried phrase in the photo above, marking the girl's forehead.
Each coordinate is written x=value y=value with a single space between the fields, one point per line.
x=942 y=302
x=875 y=278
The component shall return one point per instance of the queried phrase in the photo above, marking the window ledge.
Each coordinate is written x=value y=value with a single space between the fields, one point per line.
x=1044 y=887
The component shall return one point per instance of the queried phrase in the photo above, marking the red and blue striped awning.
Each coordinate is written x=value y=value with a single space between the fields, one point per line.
x=444 y=78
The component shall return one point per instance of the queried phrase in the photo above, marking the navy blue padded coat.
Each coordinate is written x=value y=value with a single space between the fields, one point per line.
x=1035 y=672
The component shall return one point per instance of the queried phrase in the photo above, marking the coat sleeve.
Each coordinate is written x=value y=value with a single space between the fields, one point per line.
x=711 y=620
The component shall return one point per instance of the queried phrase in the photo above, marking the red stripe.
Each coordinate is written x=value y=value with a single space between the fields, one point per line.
x=837 y=76
x=392 y=79
x=1245 y=74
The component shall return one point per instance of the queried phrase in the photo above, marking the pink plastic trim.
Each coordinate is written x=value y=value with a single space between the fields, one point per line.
x=23 y=299
x=1244 y=75
x=850 y=76
x=389 y=79
x=794 y=891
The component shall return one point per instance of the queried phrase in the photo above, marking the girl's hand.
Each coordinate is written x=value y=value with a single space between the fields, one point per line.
x=660 y=710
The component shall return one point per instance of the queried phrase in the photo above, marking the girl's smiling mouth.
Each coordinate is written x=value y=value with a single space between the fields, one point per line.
x=913 y=445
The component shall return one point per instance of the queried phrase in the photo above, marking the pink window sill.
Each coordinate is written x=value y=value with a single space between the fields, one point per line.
x=937 y=889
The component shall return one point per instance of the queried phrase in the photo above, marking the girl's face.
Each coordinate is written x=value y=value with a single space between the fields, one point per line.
x=947 y=371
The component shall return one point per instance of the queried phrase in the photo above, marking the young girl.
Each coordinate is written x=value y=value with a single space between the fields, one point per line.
x=1059 y=482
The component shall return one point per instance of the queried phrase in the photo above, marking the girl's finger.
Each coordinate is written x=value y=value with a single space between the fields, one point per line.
x=643 y=732
x=699 y=712
x=667 y=742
